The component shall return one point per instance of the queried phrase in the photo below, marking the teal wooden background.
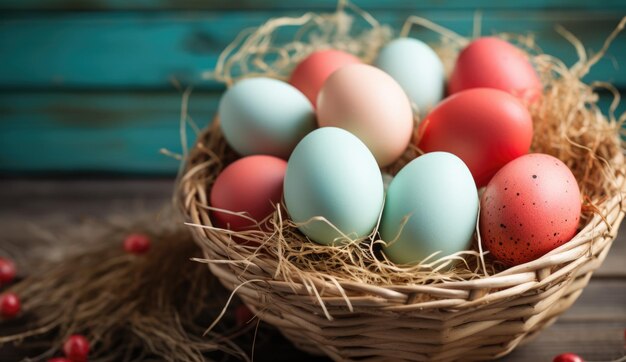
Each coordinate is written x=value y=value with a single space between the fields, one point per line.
x=86 y=85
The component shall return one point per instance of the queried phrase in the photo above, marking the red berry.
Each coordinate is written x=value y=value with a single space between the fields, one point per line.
x=137 y=244
x=243 y=315
x=7 y=271
x=59 y=359
x=76 y=348
x=568 y=357
x=9 y=305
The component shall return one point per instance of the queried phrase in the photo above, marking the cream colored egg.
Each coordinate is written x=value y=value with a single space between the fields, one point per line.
x=370 y=104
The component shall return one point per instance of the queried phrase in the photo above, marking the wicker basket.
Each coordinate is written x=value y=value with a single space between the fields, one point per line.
x=478 y=319
x=470 y=320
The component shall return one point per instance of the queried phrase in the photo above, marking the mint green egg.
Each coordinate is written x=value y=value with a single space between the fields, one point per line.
x=332 y=174
x=437 y=196
x=265 y=116
x=417 y=68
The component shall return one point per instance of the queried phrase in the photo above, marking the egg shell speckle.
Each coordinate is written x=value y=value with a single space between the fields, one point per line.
x=531 y=206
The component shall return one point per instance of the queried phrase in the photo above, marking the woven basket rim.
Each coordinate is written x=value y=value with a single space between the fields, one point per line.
x=568 y=255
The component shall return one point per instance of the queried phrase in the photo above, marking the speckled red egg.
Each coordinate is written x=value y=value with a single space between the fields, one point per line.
x=531 y=206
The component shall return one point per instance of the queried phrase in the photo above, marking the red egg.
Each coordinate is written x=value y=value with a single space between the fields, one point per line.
x=311 y=73
x=494 y=63
x=484 y=127
x=531 y=206
x=250 y=185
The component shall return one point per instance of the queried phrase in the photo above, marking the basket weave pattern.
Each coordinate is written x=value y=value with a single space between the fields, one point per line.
x=479 y=319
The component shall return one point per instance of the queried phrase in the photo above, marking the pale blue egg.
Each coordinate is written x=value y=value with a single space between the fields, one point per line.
x=332 y=174
x=435 y=197
x=417 y=68
x=265 y=116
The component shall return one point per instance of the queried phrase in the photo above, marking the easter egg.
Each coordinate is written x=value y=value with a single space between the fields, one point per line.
x=417 y=68
x=332 y=175
x=485 y=127
x=311 y=73
x=265 y=116
x=252 y=185
x=431 y=206
x=367 y=102
x=494 y=63
x=531 y=206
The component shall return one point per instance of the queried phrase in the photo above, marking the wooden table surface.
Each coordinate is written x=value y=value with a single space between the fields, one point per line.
x=593 y=328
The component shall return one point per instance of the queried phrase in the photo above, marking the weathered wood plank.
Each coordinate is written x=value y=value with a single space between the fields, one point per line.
x=603 y=300
x=613 y=266
x=591 y=341
x=118 y=132
x=147 y=49
x=306 y=4
x=110 y=132
x=48 y=201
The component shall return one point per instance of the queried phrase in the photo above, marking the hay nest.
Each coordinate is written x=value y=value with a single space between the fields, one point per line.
x=568 y=124
x=348 y=301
